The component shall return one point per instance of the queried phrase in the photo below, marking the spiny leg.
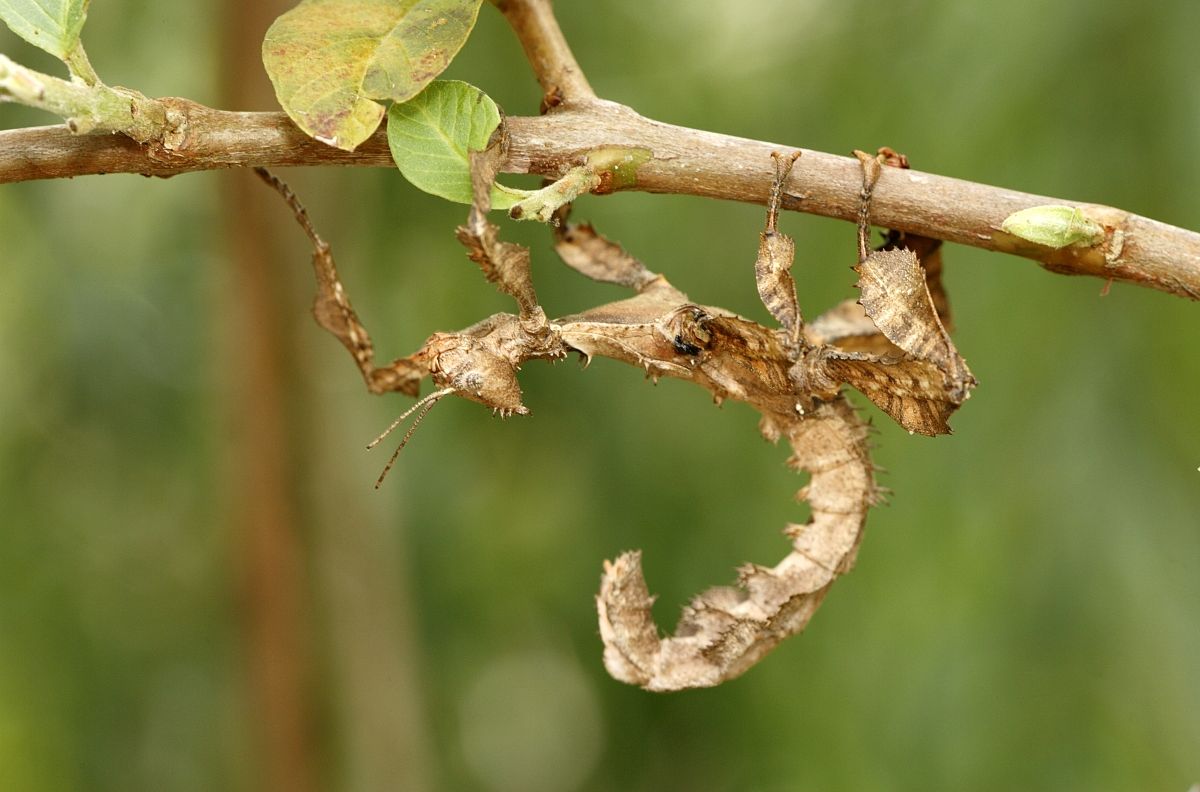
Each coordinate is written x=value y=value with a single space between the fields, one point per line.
x=929 y=253
x=847 y=325
x=870 y=169
x=586 y=251
x=917 y=376
x=504 y=263
x=927 y=249
x=896 y=297
x=618 y=329
x=776 y=252
x=333 y=311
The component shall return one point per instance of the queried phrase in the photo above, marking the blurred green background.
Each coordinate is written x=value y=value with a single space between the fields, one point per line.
x=199 y=588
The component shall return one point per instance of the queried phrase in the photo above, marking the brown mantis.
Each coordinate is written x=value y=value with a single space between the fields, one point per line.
x=891 y=344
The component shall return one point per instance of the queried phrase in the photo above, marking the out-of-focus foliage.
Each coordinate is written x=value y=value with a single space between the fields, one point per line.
x=1022 y=615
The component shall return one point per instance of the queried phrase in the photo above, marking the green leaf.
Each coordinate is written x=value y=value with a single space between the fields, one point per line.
x=430 y=137
x=1053 y=226
x=52 y=25
x=331 y=59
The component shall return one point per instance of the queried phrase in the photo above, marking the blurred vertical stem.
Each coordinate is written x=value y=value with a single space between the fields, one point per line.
x=374 y=655
x=264 y=503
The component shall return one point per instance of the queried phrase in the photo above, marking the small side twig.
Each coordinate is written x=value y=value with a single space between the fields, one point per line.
x=536 y=27
x=86 y=106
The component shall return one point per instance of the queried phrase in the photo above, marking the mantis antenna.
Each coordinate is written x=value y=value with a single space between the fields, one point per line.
x=424 y=406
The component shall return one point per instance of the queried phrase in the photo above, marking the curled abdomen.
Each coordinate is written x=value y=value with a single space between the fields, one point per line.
x=725 y=630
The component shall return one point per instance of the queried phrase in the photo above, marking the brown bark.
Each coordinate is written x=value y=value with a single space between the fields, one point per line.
x=685 y=161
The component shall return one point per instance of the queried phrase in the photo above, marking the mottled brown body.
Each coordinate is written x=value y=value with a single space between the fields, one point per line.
x=892 y=345
x=726 y=630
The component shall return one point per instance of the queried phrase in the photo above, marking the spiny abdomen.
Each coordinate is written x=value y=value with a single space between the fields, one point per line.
x=726 y=630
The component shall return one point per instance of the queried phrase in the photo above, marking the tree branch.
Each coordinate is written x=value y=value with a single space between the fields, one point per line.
x=547 y=51
x=685 y=161
x=86 y=107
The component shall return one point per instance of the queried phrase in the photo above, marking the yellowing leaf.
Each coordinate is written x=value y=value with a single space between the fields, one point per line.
x=53 y=25
x=330 y=60
x=430 y=137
